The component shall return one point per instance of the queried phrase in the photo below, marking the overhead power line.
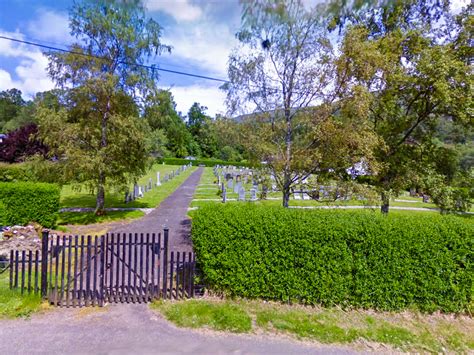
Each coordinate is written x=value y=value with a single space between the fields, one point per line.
x=151 y=67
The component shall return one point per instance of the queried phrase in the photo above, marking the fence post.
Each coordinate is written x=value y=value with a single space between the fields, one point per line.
x=165 y=261
x=44 y=263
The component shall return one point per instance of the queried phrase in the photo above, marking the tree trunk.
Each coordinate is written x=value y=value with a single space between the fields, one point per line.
x=100 y=200
x=286 y=194
x=385 y=203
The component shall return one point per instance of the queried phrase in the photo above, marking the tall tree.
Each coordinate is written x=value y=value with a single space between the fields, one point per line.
x=106 y=76
x=414 y=73
x=202 y=129
x=283 y=67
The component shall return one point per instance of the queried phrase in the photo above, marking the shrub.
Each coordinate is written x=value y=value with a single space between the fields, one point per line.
x=16 y=172
x=25 y=202
x=347 y=258
x=35 y=170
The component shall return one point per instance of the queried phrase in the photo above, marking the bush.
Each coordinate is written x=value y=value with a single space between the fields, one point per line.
x=25 y=202
x=206 y=162
x=347 y=258
x=16 y=172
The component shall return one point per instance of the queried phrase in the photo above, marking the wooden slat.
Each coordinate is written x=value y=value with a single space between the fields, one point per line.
x=36 y=270
x=177 y=275
x=158 y=263
x=95 y=274
x=12 y=262
x=135 y=262
x=23 y=257
x=81 y=272
x=193 y=269
x=88 y=271
x=124 y=243
x=69 y=279
x=129 y=288
x=147 y=268
x=30 y=269
x=56 y=271
x=171 y=274
x=153 y=244
x=74 y=294
x=110 y=285
x=16 y=268
x=140 y=274
x=191 y=273
x=102 y=270
x=117 y=270
x=63 y=265
x=51 y=248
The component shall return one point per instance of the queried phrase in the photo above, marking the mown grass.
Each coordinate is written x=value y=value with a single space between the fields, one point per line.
x=208 y=190
x=407 y=331
x=13 y=304
x=71 y=197
x=82 y=218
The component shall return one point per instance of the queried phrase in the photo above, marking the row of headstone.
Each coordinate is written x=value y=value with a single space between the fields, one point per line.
x=138 y=191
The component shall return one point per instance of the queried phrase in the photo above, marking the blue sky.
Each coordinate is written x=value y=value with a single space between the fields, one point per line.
x=201 y=33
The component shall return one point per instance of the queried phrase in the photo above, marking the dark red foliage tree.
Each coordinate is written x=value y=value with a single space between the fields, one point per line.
x=22 y=143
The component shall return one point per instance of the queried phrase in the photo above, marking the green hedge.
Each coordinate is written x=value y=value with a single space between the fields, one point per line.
x=24 y=202
x=346 y=258
x=206 y=162
x=16 y=172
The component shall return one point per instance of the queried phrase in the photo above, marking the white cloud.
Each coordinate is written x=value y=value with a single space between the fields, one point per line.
x=180 y=10
x=209 y=96
x=50 y=26
x=458 y=5
x=205 y=44
x=30 y=71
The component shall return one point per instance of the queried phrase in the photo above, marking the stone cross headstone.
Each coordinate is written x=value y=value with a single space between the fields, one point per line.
x=135 y=191
x=242 y=194
x=253 y=195
x=158 y=182
x=237 y=187
x=224 y=193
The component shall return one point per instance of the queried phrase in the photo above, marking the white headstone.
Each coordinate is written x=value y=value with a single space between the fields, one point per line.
x=158 y=182
x=241 y=194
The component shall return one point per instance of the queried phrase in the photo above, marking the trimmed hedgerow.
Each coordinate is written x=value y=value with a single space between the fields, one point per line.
x=347 y=258
x=24 y=202
x=206 y=162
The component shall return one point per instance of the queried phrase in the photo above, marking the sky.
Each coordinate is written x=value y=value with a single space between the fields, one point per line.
x=202 y=34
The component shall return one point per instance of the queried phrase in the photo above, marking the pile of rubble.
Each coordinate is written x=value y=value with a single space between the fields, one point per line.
x=19 y=238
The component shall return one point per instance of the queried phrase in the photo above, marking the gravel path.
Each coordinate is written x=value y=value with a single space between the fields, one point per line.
x=172 y=212
x=133 y=329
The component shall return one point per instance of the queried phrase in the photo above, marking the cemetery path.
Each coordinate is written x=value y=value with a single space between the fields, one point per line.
x=172 y=212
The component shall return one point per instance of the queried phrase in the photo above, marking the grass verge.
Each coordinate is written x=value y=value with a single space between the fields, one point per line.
x=407 y=331
x=13 y=304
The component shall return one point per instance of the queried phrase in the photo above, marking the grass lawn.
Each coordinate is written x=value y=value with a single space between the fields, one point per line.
x=151 y=199
x=407 y=331
x=13 y=304
x=208 y=190
x=73 y=198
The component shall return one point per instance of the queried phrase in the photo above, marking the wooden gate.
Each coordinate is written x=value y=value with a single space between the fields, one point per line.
x=88 y=271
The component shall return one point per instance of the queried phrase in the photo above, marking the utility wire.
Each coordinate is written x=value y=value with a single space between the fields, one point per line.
x=151 y=67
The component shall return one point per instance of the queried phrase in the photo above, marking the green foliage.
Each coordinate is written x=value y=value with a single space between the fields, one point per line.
x=216 y=316
x=26 y=202
x=205 y=162
x=337 y=257
x=16 y=172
